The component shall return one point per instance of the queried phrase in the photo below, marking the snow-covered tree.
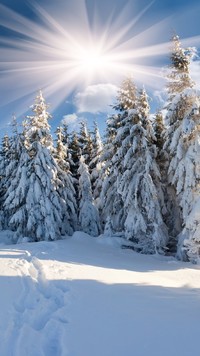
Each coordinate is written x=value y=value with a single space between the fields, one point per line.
x=15 y=187
x=110 y=200
x=61 y=150
x=126 y=95
x=178 y=80
x=74 y=151
x=184 y=173
x=105 y=163
x=159 y=129
x=34 y=203
x=65 y=142
x=182 y=101
x=4 y=161
x=162 y=161
x=178 y=76
x=65 y=135
x=139 y=182
x=85 y=142
x=67 y=182
x=88 y=213
x=95 y=164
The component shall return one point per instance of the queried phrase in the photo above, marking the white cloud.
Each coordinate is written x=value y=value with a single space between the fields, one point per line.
x=96 y=98
x=69 y=119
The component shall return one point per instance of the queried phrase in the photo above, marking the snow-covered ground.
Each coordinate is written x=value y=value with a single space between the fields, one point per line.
x=86 y=296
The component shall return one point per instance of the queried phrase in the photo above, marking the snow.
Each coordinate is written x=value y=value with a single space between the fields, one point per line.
x=85 y=296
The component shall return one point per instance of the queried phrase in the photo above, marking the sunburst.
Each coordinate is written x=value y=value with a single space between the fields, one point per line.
x=64 y=49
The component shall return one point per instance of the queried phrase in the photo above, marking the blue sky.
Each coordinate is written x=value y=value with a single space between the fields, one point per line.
x=79 y=51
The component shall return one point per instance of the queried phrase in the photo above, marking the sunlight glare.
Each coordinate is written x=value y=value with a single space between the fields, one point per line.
x=92 y=61
x=60 y=56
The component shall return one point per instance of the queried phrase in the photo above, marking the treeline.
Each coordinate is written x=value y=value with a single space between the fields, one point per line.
x=142 y=183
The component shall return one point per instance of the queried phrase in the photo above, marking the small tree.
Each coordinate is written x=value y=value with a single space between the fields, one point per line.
x=4 y=161
x=178 y=76
x=88 y=213
x=95 y=164
x=126 y=95
x=67 y=182
x=85 y=142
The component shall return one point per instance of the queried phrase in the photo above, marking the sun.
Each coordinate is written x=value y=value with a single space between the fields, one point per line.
x=91 y=60
x=64 y=50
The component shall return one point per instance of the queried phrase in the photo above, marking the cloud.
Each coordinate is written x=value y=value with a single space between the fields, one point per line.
x=69 y=119
x=96 y=98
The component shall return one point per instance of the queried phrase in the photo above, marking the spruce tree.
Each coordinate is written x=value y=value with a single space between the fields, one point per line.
x=139 y=182
x=126 y=95
x=85 y=142
x=162 y=161
x=67 y=182
x=181 y=144
x=184 y=174
x=4 y=161
x=35 y=203
x=117 y=132
x=95 y=164
x=100 y=189
x=109 y=201
x=88 y=213
x=159 y=129
x=16 y=181
x=74 y=153
x=179 y=77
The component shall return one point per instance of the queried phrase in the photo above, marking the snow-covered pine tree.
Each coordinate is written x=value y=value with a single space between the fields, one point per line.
x=139 y=181
x=126 y=95
x=105 y=162
x=117 y=131
x=16 y=182
x=65 y=138
x=159 y=129
x=178 y=76
x=65 y=135
x=167 y=194
x=178 y=80
x=67 y=182
x=34 y=204
x=85 y=142
x=95 y=164
x=61 y=150
x=184 y=173
x=162 y=160
x=74 y=154
x=4 y=161
x=182 y=146
x=88 y=213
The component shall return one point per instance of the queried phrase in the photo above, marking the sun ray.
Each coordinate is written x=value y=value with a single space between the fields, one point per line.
x=62 y=52
x=124 y=29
